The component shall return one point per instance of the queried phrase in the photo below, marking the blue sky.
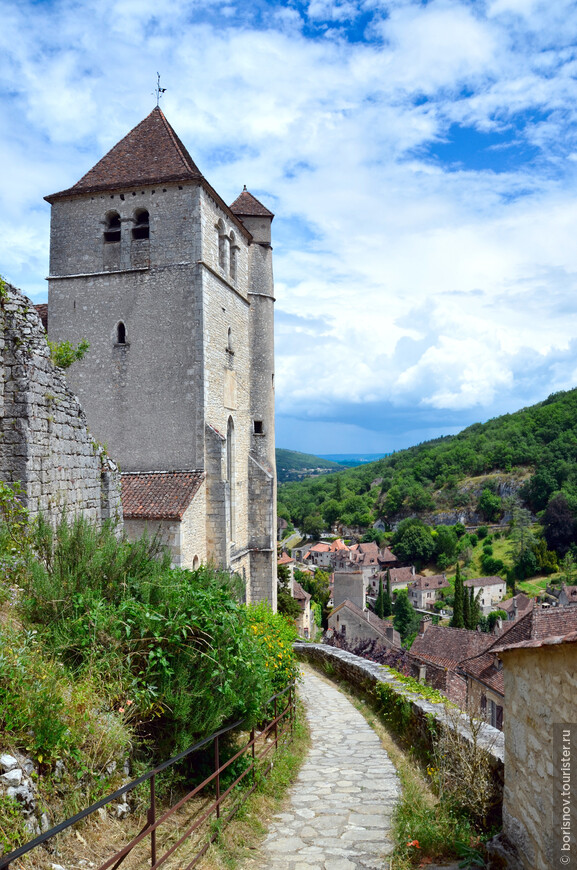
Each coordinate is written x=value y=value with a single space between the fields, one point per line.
x=420 y=157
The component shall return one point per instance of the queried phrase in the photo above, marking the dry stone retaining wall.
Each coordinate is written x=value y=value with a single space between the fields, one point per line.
x=364 y=675
x=44 y=441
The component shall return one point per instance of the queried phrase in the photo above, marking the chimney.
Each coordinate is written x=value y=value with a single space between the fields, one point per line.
x=514 y=608
x=423 y=626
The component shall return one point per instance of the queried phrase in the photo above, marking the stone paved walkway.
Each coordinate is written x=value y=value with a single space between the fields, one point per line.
x=341 y=804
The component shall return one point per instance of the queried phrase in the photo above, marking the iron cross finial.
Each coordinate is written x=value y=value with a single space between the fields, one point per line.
x=158 y=90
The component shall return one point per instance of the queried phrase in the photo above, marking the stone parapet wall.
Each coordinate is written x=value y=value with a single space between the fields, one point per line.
x=364 y=675
x=540 y=689
x=44 y=442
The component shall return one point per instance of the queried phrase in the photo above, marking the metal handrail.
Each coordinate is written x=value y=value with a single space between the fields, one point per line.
x=152 y=822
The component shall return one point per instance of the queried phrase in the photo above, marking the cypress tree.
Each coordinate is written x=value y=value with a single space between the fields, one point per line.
x=466 y=606
x=388 y=598
x=475 y=608
x=457 y=620
x=380 y=602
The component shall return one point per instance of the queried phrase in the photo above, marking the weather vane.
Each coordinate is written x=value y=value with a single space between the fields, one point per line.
x=158 y=90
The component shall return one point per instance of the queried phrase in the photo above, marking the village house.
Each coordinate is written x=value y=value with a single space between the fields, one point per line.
x=423 y=590
x=354 y=624
x=563 y=596
x=517 y=606
x=437 y=652
x=492 y=589
x=286 y=560
x=304 y=621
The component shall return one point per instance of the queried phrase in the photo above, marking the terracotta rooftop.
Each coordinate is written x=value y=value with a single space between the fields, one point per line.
x=320 y=547
x=247 y=205
x=158 y=495
x=400 y=575
x=541 y=628
x=380 y=625
x=151 y=153
x=437 y=581
x=285 y=559
x=387 y=555
x=299 y=593
x=485 y=668
x=521 y=601
x=448 y=647
x=483 y=581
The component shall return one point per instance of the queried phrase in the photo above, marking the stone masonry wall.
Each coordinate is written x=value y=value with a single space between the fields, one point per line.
x=44 y=442
x=540 y=688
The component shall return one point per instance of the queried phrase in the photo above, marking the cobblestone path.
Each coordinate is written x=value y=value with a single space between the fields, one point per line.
x=340 y=808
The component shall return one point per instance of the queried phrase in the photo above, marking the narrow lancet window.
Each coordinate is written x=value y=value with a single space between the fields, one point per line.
x=121 y=333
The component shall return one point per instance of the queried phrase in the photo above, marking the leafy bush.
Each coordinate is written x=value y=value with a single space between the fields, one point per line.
x=490 y=567
x=63 y=353
x=176 y=644
x=274 y=635
x=482 y=532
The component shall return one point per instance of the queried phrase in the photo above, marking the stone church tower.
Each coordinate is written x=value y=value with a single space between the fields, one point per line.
x=174 y=291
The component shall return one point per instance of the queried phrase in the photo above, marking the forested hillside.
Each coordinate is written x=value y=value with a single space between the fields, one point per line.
x=532 y=453
x=293 y=465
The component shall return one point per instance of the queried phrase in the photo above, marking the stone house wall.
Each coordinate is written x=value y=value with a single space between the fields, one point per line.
x=44 y=440
x=351 y=586
x=355 y=627
x=540 y=690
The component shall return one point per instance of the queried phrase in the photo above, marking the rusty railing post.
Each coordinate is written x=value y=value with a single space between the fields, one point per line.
x=152 y=820
x=253 y=756
x=216 y=767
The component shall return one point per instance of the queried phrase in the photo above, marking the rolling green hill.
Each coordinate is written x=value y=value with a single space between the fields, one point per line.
x=292 y=465
x=532 y=453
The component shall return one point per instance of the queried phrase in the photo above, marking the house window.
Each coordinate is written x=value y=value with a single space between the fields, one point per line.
x=121 y=333
x=258 y=427
x=141 y=228
x=494 y=714
x=112 y=227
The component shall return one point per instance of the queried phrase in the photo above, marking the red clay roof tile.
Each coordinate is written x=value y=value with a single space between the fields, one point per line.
x=151 y=153
x=247 y=205
x=158 y=495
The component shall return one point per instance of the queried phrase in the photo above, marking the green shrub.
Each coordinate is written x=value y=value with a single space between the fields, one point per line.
x=13 y=832
x=63 y=354
x=175 y=645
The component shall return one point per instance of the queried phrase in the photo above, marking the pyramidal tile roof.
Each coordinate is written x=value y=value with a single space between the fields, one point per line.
x=151 y=153
x=247 y=205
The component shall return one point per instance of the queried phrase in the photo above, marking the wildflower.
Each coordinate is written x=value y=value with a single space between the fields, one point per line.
x=121 y=709
x=414 y=843
x=128 y=703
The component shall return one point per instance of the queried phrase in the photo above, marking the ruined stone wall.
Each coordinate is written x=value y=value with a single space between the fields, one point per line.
x=540 y=688
x=44 y=440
